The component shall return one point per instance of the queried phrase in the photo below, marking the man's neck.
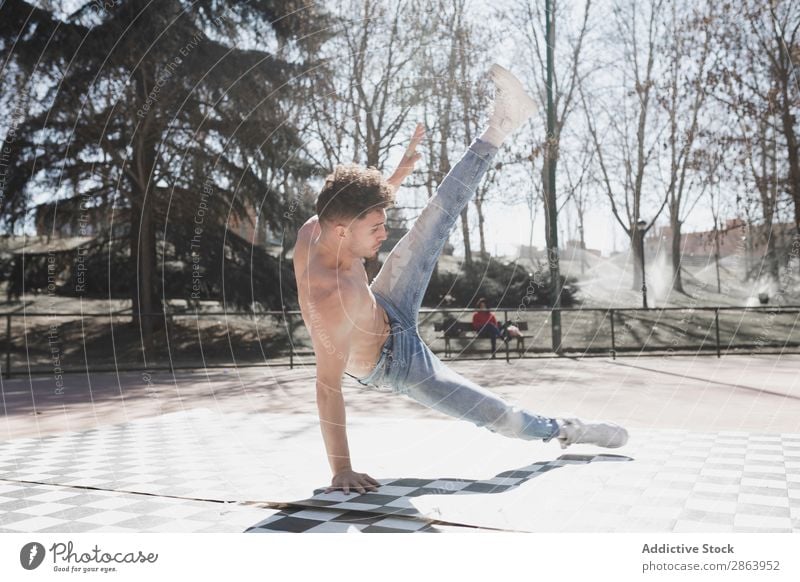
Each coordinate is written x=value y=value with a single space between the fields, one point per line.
x=334 y=256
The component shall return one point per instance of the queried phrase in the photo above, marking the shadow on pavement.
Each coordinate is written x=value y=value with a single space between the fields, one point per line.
x=366 y=512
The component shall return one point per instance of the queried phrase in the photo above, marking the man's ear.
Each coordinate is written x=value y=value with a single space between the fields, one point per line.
x=340 y=230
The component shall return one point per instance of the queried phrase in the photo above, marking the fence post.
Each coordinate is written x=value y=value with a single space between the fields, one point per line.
x=169 y=325
x=505 y=319
x=291 y=341
x=613 y=339
x=8 y=346
x=716 y=324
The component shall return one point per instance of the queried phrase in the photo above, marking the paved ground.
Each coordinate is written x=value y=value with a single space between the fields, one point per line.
x=715 y=446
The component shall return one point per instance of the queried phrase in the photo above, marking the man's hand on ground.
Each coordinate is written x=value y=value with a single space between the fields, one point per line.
x=348 y=479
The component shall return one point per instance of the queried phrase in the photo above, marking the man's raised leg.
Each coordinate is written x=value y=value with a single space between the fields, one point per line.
x=407 y=271
x=405 y=276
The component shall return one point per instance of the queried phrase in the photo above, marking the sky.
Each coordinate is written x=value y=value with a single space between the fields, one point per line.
x=508 y=226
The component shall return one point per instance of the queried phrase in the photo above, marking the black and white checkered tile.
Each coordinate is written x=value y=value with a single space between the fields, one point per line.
x=396 y=497
x=172 y=473
x=680 y=481
x=391 y=509
x=317 y=520
x=26 y=507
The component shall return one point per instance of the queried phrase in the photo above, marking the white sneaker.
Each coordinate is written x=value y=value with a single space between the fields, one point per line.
x=512 y=104
x=603 y=434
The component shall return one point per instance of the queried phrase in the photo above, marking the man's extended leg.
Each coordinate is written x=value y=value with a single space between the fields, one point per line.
x=407 y=271
x=402 y=281
x=430 y=382
x=423 y=377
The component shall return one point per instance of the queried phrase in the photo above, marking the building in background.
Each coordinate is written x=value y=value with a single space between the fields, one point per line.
x=736 y=239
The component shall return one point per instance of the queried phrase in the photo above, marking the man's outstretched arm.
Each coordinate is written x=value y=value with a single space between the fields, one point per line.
x=331 y=331
x=410 y=158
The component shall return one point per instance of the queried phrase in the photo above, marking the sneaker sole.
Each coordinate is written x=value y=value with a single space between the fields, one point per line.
x=504 y=77
x=619 y=438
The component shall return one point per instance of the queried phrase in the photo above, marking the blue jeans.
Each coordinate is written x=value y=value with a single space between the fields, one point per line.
x=406 y=365
x=492 y=332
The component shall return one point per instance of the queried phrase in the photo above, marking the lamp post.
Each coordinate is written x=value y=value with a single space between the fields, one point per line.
x=640 y=226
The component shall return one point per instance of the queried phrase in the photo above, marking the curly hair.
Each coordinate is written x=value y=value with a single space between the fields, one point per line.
x=352 y=191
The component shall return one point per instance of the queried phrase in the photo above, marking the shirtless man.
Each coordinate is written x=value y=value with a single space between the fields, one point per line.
x=369 y=331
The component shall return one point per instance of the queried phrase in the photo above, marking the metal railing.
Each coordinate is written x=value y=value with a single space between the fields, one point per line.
x=699 y=330
x=37 y=342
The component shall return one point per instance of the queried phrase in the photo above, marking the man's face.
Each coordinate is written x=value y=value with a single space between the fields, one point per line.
x=367 y=234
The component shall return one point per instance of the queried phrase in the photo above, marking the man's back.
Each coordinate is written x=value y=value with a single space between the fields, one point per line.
x=332 y=296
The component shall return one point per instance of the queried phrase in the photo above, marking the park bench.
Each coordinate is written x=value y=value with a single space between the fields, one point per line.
x=452 y=329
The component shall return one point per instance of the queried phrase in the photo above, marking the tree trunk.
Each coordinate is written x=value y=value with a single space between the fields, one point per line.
x=145 y=298
x=549 y=168
x=481 y=235
x=676 y=225
x=772 y=197
x=636 y=247
x=793 y=155
x=530 y=232
x=772 y=254
x=372 y=265
x=147 y=307
x=465 y=233
x=429 y=181
x=583 y=244
x=716 y=253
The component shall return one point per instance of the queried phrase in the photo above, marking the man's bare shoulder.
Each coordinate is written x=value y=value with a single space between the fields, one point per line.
x=309 y=230
x=302 y=246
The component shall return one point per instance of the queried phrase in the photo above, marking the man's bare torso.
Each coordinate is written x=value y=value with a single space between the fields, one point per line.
x=314 y=279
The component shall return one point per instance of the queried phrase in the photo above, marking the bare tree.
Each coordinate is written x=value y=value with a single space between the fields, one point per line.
x=761 y=159
x=572 y=23
x=443 y=73
x=579 y=191
x=711 y=164
x=359 y=105
x=627 y=142
x=756 y=89
x=455 y=73
x=472 y=93
x=776 y=27
x=683 y=96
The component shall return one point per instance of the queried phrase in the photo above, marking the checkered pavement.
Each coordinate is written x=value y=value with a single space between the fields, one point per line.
x=678 y=481
x=176 y=472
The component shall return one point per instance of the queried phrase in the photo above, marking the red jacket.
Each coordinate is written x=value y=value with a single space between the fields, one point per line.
x=481 y=318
